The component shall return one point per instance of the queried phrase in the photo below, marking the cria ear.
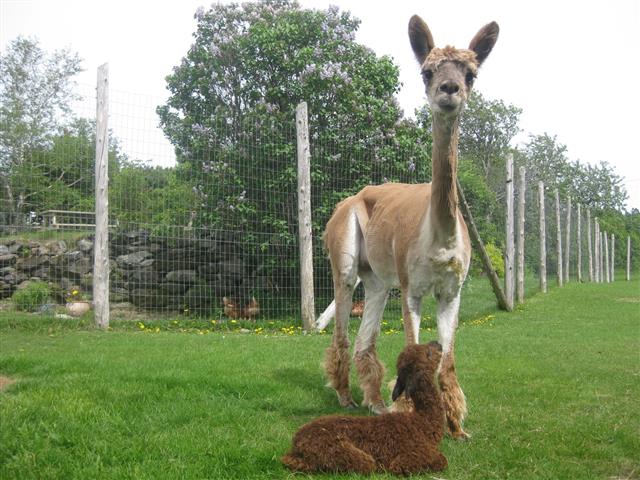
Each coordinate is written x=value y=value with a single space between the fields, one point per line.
x=420 y=38
x=399 y=388
x=484 y=41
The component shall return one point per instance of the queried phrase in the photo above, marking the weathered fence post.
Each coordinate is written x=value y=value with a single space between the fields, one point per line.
x=600 y=253
x=596 y=249
x=579 y=242
x=304 y=218
x=543 y=240
x=509 y=254
x=606 y=257
x=520 y=271
x=559 y=240
x=613 y=257
x=628 y=258
x=567 y=243
x=101 y=242
x=589 y=249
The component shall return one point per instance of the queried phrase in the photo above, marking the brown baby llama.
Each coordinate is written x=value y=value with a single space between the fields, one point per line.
x=402 y=443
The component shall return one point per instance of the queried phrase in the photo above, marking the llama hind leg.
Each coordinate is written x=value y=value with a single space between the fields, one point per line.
x=344 y=251
x=337 y=361
x=337 y=365
x=453 y=398
x=370 y=369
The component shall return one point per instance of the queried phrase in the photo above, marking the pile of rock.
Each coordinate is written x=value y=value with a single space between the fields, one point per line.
x=158 y=273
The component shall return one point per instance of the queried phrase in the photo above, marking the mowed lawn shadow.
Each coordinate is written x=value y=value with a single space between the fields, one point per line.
x=324 y=400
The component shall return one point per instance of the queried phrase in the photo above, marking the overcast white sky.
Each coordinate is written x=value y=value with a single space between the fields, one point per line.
x=571 y=66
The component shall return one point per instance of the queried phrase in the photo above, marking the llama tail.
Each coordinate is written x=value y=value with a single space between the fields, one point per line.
x=295 y=464
x=325 y=317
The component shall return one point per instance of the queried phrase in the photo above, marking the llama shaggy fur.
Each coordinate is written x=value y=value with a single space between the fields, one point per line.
x=402 y=443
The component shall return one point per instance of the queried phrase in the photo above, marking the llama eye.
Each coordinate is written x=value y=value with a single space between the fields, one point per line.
x=427 y=75
x=469 y=78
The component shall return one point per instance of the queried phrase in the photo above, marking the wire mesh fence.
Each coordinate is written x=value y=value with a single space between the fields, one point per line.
x=208 y=225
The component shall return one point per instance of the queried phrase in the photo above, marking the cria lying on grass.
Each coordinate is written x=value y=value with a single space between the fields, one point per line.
x=400 y=443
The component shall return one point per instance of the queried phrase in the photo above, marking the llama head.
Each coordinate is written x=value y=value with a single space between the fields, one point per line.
x=416 y=364
x=448 y=73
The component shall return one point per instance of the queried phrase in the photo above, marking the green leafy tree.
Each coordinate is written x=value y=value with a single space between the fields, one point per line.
x=142 y=194
x=487 y=129
x=546 y=160
x=231 y=111
x=36 y=91
x=598 y=187
x=60 y=174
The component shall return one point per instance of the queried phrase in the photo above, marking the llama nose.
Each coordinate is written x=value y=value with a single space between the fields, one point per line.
x=449 y=87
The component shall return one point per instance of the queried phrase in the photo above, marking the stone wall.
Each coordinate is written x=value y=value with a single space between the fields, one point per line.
x=150 y=272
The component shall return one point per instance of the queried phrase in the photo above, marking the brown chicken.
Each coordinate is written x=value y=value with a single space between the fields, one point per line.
x=233 y=308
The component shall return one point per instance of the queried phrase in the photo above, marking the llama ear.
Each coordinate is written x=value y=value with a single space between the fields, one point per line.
x=420 y=38
x=484 y=41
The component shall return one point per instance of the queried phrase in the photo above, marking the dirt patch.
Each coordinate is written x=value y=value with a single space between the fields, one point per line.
x=5 y=382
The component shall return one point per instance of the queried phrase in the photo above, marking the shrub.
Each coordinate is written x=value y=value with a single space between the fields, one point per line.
x=30 y=297
x=495 y=255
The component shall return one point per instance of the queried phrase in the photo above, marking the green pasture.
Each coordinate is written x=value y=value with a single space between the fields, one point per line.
x=552 y=390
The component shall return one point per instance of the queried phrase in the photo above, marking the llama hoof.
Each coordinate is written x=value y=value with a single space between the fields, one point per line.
x=347 y=401
x=460 y=435
x=378 y=408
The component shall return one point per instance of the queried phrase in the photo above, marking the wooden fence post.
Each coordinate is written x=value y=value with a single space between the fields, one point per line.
x=606 y=257
x=589 y=249
x=509 y=255
x=304 y=218
x=600 y=255
x=567 y=243
x=596 y=248
x=613 y=257
x=628 y=258
x=559 y=240
x=543 y=240
x=101 y=242
x=579 y=242
x=520 y=249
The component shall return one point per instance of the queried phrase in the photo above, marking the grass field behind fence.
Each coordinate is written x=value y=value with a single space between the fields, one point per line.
x=552 y=390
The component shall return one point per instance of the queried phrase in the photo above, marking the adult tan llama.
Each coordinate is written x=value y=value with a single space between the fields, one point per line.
x=408 y=236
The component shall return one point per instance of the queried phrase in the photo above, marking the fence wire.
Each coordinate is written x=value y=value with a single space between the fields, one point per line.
x=208 y=225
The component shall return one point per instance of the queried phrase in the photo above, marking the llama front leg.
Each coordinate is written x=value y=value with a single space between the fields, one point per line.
x=453 y=398
x=370 y=369
x=411 y=311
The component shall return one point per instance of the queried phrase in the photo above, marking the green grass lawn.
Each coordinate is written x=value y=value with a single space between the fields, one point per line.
x=552 y=390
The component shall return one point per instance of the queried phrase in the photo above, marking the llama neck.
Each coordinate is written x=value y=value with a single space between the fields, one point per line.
x=444 y=165
x=426 y=400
